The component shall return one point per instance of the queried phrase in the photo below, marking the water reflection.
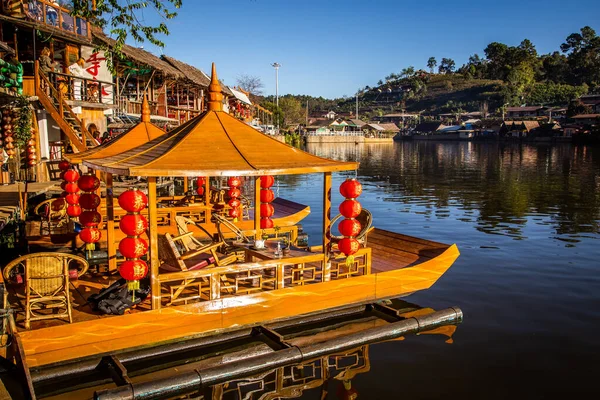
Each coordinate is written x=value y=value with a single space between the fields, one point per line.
x=498 y=188
x=327 y=377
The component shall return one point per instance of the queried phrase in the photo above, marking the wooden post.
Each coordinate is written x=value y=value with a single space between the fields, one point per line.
x=326 y=214
x=207 y=191
x=185 y=185
x=110 y=224
x=257 y=234
x=154 y=263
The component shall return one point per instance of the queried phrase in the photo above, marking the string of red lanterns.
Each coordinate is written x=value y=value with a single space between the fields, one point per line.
x=133 y=224
x=200 y=182
x=71 y=191
x=266 y=197
x=31 y=150
x=349 y=227
x=234 y=193
x=89 y=218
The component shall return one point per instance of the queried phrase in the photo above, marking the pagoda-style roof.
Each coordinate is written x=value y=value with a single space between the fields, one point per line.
x=215 y=144
x=141 y=133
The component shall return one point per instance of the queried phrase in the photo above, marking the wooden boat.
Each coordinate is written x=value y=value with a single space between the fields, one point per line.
x=260 y=287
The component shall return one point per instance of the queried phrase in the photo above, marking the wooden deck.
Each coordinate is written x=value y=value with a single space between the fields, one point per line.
x=391 y=251
x=417 y=269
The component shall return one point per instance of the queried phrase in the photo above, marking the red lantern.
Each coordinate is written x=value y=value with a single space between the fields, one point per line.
x=234 y=203
x=350 y=208
x=64 y=194
x=266 y=223
x=234 y=213
x=200 y=181
x=30 y=150
x=62 y=175
x=133 y=224
x=63 y=184
x=349 y=227
x=74 y=210
x=200 y=190
x=266 y=181
x=90 y=218
x=89 y=183
x=133 y=270
x=234 y=182
x=234 y=193
x=32 y=162
x=266 y=196
x=351 y=188
x=72 y=198
x=71 y=187
x=90 y=235
x=133 y=200
x=71 y=175
x=64 y=165
x=89 y=201
x=133 y=247
x=348 y=246
x=266 y=210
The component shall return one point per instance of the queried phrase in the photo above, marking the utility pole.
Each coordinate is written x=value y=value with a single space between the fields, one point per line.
x=276 y=66
x=307 y=112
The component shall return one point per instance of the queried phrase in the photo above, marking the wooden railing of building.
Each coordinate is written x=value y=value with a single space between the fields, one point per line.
x=53 y=15
x=56 y=105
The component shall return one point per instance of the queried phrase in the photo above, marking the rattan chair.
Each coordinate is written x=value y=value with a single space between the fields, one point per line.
x=53 y=216
x=46 y=283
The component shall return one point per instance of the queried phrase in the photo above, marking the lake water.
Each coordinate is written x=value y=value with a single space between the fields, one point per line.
x=526 y=219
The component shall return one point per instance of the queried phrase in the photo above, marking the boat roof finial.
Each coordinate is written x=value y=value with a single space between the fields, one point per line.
x=215 y=97
x=145 y=109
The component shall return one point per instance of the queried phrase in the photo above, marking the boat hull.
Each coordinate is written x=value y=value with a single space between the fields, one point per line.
x=109 y=335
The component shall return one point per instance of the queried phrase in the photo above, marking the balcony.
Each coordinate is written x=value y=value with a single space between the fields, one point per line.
x=50 y=14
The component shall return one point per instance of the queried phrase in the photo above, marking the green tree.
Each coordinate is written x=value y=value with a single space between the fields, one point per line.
x=278 y=117
x=446 y=66
x=431 y=64
x=583 y=51
x=519 y=81
x=292 y=110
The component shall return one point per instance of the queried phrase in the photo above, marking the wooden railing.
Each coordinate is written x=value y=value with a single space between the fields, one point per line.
x=245 y=278
x=47 y=13
x=239 y=279
x=128 y=106
x=74 y=88
x=54 y=102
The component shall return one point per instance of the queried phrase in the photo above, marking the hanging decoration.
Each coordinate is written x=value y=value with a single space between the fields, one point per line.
x=71 y=188
x=7 y=129
x=89 y=202
x=234 y=194
x=200 y=182
x=349 y=227
x=31 y=150
x=133 y=247
x=266 y=197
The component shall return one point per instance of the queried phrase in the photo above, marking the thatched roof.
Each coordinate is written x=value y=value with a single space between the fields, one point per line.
x=142 y=57
x=194 y=74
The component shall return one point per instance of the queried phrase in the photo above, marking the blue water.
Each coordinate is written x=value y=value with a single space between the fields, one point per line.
x=526 y=219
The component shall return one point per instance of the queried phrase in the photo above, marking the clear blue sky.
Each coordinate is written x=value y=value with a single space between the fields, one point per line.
x=331 y=48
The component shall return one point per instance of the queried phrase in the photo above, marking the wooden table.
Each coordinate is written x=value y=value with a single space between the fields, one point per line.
x=293 y=261
x=268 y=253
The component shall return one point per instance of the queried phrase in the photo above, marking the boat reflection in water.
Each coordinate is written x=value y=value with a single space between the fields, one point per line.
x=329 y=376
x=316 y=355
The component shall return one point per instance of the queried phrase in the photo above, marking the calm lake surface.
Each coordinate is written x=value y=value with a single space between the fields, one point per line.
x=526 y=219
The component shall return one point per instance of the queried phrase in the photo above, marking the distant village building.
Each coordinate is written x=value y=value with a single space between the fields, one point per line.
x=398 y=118
x=429 y=127
x=381 y=129
x=526 y=112
x=518 y=129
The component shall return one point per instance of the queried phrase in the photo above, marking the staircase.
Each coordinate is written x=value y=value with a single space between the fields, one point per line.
x=55 y=104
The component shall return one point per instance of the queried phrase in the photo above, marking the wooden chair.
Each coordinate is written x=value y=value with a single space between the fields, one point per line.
x=366 y=221
x=46 y=283
x=179 y=260
x=191 y=242
x=53 y=214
